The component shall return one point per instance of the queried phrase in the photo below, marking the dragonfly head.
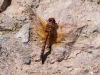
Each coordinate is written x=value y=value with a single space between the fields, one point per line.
x=51 y=20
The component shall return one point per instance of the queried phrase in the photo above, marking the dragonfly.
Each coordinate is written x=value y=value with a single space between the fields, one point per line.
x=51 y=32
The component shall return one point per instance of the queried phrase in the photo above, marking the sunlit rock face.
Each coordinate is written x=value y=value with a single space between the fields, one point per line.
x=76 y=50
x=24 y=33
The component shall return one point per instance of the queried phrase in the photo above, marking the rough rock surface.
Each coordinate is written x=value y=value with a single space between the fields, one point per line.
x=24 y=33
x=77 y=53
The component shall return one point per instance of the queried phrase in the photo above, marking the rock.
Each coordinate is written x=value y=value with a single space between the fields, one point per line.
x=35 y=5
x=4 y=39
x=22 y=18
x=26 y=60
x=7 y=22
x=24 y=2
x=1 y=33
x=95 y=41
x=48 y=5
x=86 y=71
x=24 y=33
x=19 y=1
x=75 y=71
x=77 y=53
x=1 y=2
x=22 y=9
x=58 y=53
x=4 y=51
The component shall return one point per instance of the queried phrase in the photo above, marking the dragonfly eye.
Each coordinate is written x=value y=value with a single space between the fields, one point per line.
x=50 y=20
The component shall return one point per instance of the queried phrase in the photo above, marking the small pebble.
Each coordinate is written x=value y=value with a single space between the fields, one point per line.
x=26 y=60
x=35 y=5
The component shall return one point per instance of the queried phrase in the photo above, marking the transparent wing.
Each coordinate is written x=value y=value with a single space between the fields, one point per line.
x=40 y=27
x=41 y=32
x=62 y=32
x=41 y=21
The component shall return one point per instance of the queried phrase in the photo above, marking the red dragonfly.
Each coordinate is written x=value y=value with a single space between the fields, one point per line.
x=51 y=32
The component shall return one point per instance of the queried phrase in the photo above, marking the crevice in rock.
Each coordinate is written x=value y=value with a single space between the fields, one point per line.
x=4 y=5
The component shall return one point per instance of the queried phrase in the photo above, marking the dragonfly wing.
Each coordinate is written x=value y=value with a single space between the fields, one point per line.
x=60 y=36
x=41 y=21
x=40 y=27
x=40 y=31
x=62 y=32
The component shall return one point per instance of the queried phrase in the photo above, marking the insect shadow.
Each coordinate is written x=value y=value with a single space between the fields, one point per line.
x=52 y=39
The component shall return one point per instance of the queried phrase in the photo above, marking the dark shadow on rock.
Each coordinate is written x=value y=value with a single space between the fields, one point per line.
x=5 y=4
x=0 y=51
x=4 y=29
x=0 y=47
x=45 y=55
x=78 y=33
